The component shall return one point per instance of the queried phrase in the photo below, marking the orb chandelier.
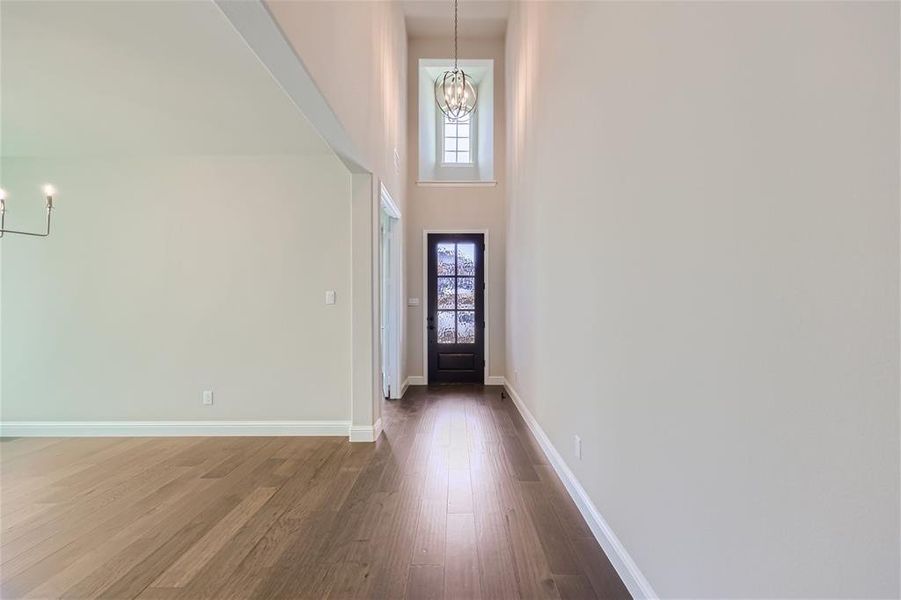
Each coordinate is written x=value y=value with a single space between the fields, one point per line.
x=454 y=91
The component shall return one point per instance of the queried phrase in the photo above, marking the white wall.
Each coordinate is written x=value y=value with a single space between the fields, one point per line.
x=451 y=208
x=168 y=276
x=702 y=281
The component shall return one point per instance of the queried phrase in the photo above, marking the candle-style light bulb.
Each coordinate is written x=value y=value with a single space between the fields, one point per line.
x=49 y=191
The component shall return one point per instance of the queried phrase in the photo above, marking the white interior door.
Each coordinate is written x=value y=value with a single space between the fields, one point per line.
x=390 y=294
x=385 y=230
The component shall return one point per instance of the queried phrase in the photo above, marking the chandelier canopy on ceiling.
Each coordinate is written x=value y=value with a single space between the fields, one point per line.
x=455 y=93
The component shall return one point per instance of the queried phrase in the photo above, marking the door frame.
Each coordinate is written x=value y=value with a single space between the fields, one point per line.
x=394 y=294
x=426 y=291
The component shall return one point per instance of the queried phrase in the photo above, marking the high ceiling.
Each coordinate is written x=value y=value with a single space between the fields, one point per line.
x=83 y=78
x=477 y=18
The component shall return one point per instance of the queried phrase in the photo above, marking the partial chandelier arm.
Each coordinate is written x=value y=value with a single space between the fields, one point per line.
x=3 y=229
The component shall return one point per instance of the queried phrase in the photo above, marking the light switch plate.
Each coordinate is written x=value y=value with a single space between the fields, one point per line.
x=412 y=301
x=208 y=397
x=330 y=297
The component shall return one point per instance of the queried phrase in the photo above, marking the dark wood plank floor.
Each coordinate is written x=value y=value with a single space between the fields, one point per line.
x=455 y=500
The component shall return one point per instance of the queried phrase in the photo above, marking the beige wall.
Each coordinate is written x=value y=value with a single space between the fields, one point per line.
x=451 y=208
x=703 y=270
x=165 y=277
x=356 y=51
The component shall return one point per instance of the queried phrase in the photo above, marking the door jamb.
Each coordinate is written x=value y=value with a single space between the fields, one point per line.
x=395 y=293
x=425 y=297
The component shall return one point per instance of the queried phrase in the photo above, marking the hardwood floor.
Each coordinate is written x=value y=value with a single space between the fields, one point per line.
x=455 y=500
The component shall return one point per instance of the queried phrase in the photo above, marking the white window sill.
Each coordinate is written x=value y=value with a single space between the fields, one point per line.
x=457 y=183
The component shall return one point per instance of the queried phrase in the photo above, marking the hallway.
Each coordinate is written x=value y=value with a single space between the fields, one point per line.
x=494 y=521
x=455 y=500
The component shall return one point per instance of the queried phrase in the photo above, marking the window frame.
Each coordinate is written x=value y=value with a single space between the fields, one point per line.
x=473 y=155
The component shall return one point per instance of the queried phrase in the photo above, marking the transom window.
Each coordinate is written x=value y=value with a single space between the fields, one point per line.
x=458 y=140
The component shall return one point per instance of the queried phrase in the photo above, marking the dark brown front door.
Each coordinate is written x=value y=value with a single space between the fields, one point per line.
x=456 y=311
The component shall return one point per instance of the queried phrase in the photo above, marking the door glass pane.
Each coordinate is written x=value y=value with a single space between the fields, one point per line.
x=446 y=327
x=446 y=292
x=466 y=259
x=466 y=327
x=466 y=292
x=462 y=157
x=446 y=257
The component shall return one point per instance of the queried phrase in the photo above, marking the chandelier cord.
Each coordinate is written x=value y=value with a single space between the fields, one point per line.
x=455 y=35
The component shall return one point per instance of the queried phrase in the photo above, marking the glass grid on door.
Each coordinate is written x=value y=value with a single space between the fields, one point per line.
x=456 y=293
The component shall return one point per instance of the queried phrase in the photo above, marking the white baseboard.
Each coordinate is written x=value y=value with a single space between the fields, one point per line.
x=628 y=571
x=414 y=380
x=366 y=433
x=420 y=380
x=172 y=428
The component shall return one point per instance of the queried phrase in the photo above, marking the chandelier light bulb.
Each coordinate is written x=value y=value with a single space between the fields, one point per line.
x=455 y=94
x=49 y=191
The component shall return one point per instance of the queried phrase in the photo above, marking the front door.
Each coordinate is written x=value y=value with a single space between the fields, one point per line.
x=456 y=311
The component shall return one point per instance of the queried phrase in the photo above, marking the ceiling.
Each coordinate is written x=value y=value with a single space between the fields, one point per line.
x=435 y=18
x=85 y=78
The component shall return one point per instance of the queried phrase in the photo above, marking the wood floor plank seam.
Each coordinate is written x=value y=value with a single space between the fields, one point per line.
x=192 y=516
x=67 y=542
x=182 y=570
